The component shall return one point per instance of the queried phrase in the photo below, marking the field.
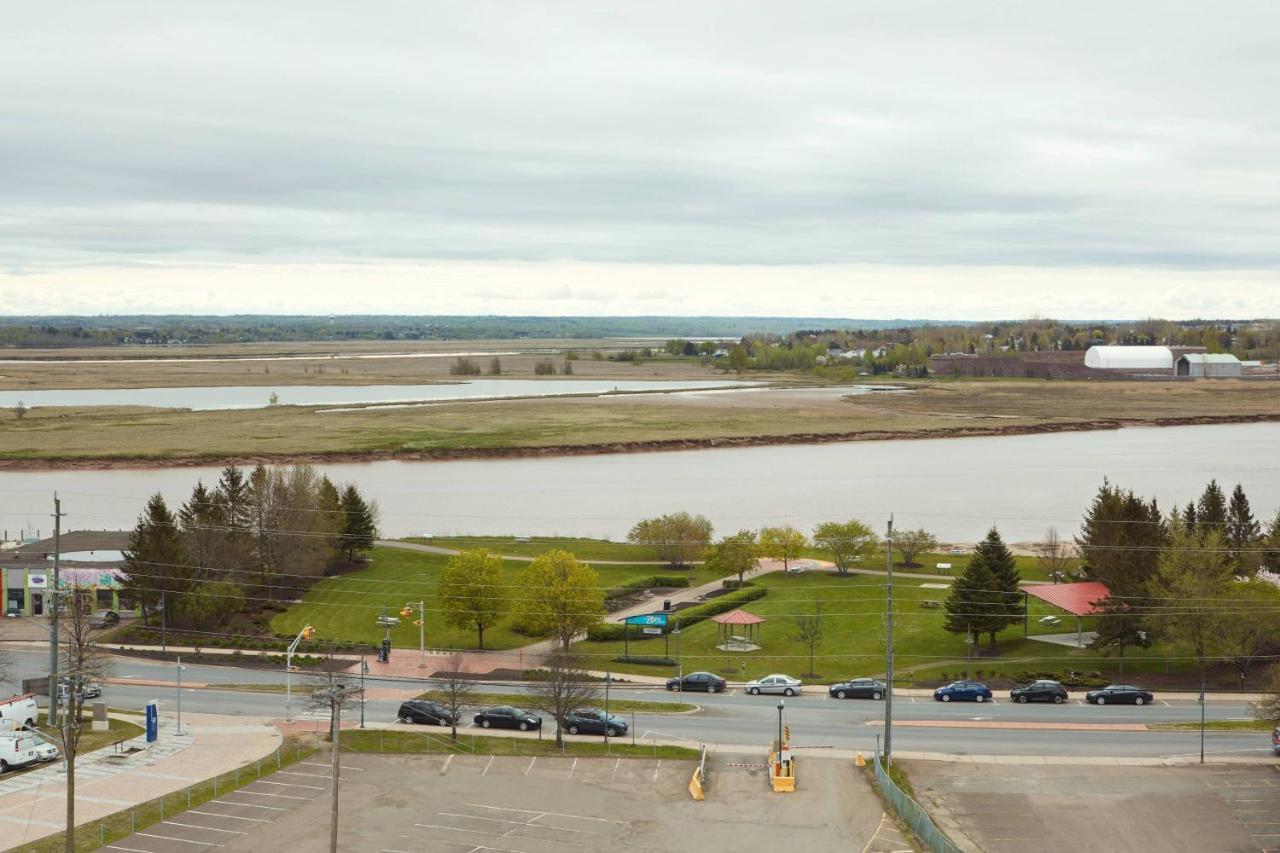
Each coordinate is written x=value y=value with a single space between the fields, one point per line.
x=628 y=422
x=345 y=608
x=583 y=549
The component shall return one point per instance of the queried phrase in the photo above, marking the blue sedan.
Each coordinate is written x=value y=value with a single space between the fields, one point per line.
x=963 y=691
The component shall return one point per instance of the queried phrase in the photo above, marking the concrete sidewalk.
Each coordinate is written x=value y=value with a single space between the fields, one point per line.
x=33 y=805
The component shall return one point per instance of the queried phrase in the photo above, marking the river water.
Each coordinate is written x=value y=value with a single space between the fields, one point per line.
x=956 y=488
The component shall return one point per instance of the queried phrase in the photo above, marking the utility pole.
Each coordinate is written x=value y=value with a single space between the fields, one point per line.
x=53 y=600
x=336 y=695
x=888 y=685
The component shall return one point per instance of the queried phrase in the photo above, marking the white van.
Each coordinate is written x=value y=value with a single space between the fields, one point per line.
x=20 y=710
x=17 y=750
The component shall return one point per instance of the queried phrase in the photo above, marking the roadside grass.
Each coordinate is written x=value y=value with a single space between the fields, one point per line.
x=347 y=607
x=97 y=834
x=378 y=741
x=1215 y=726
x=583 y=549
x=852 y=642
x=522 y=700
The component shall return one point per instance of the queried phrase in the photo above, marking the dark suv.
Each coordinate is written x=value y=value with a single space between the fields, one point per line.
x=1040 y=691
x=426 y=713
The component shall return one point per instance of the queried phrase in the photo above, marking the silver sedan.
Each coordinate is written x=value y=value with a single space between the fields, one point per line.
x=777 y=683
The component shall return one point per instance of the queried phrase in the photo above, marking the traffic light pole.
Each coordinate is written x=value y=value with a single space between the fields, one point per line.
x=306 y=633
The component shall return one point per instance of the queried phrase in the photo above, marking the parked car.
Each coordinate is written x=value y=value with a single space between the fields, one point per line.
x=88 y=690
x=968 y=691
x=104 y=619
x=20 y=710
x=777 y=683
x=858 y=688
x=1275 y=741
x=588 y=721
x=426 y=713
x=46 y=749
x=507 y=717
x=707 y=682
x=17 y=749
x=1040 y=691
x=1119 y=694
x=13 y=611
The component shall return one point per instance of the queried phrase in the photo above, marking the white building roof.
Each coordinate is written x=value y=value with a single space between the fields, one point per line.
x=1129 y=358
x=1211 y=358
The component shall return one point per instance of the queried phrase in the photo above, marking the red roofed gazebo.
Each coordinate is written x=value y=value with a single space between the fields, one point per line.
x=1078 y=599
x=738 y=619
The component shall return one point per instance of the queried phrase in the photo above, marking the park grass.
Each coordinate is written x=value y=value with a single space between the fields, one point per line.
x=346 y=608
x=852 y=644
x=522 y=700
x=583 y=549
x=376 y=741
x=969 y=407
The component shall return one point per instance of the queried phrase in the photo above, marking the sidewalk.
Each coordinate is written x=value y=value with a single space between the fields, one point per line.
x=33 y=805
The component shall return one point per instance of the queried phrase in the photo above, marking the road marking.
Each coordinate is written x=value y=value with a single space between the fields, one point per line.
x=127 y=849
x=656 y=769
x=249 y=805
x=573 y=767
x=317 y=764
x=550 y=814
x=530 y=767
x=732 y=692
x=171 y=838
x=1080 y=702
x=447 y=762
x=1166 y=704
x=194 y=826
x=265 y=794
x=291 y=785
x=308 y=775
x=487 y=766
x=516 y=822
x=232 y=816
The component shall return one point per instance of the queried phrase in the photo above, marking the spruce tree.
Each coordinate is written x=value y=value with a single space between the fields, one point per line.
x=1120 y=540
x=155 y=558
x=1211 y=509
x=973 y=602
x=359 y=527
x=1243 y=532
x=1004 y=569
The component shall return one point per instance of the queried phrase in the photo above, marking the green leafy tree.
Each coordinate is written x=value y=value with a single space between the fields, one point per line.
x=1250 y=629
x=359 y=525
x=1243 y=532
x=848 y=542
x=912 y=543
x=209 y=604
x=734 y=555
x=472 y=594
x=678 y=538
x=782 y=543
x=1187 y=591
x=155 y=558
x=559 y=597
x=1269 y=552
x=1119 y=625
x=738 y=358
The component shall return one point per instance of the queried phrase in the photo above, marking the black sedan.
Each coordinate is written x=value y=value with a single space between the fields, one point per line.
x=857 y=688
x=592 y=721
x=426 y=713
x=507 y=717
x=1119 y=694
x=695 y=682
x=1040 y=691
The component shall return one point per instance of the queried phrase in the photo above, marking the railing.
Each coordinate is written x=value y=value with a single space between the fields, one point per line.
x=915 y=816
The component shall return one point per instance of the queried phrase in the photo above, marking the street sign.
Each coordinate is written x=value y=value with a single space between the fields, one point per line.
x=153 y=721
x=655 y=619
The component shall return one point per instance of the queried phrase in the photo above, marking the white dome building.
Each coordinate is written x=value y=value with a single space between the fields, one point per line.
x=1129 y=358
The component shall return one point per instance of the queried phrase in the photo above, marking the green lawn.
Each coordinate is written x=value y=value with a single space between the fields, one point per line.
x=1028 y=566
x=1215 y=726
x=522 y=700
x=469 y=744
x=583 y=549
x=853 y=638
x=347 y=607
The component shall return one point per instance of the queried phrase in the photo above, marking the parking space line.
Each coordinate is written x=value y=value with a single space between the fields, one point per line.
x=550 y=814
x=126 y=849
x=308 y=775
x=573 y=767
x=616 y=765
x=1166 y=704
x=232 y=816
x=265 y=794
x=171 y=838
x=516 y=822
x=248 y=805
x=488 y=765
x=530 y=767
x=447 y=762
x=291 y=785
x=329 y=767
x=656 y=769
x=195 y=826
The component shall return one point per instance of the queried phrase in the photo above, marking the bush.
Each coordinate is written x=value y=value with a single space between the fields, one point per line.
x=645 y=661
x=723 y=604
x=737 y=584
x=1068 y=678
x=647 y=582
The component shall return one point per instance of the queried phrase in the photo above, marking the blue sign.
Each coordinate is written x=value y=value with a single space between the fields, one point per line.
x=153 y=721
x=655 y=619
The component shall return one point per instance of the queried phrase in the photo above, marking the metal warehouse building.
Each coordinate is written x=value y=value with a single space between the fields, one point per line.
x=1129 y=358
x=1200 y=364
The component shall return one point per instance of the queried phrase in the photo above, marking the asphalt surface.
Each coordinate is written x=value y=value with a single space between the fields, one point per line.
x=735 y=718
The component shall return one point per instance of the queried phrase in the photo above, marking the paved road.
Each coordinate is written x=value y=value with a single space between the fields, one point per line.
x=735 y=718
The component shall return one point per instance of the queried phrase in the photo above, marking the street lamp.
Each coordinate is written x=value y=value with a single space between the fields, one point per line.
x=364 y=669
x=306 y=633
x=179 y=694
x=608 y=679
x=675 y=632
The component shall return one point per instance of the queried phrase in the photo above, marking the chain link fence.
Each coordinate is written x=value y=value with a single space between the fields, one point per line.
x=915 y=816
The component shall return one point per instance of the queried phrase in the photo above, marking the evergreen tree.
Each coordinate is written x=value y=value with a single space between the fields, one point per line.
x=999 y=561
x=1211 y=509
x=1243 y=532
x=329 y=502
x=975 y=603
x=1189 y=515
x=155 y=559
x=359 y=527
x=1120 y=540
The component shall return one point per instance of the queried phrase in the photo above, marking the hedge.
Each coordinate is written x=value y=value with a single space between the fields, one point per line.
x=644 y=660
x=647 y=582
x=613 y=632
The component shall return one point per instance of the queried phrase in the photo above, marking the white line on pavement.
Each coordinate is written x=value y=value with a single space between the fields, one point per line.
x=530 y=767
x=487 y=766
x=232 y=816
x=195 y=826
x=549 y=814
x=171 y=838
x=249 y=805
x=291 y=785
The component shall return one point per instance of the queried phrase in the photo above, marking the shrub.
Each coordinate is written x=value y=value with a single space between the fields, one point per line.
x=643 y=660
x=723 y=604
x=734 y=583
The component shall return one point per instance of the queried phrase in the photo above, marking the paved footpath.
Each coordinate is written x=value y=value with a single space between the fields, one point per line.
x=33 y=804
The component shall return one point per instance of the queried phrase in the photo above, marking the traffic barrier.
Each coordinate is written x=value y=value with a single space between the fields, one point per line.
x=696 y=784
x=911 y=812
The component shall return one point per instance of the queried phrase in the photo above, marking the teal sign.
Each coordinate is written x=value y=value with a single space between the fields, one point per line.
x=658 y=620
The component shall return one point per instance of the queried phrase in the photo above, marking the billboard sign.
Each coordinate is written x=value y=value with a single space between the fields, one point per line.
x=650 y=620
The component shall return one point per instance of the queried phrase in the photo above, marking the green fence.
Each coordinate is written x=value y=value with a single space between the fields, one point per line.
x=915 y=816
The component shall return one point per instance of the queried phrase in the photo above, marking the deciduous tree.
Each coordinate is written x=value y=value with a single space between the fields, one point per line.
x=472 y=594
x=559 y=597
x=678 y=538
x=911 y=543
x=1250 y=627
x=1054 y=555
x=1187 y=591
x=848 y=542
x=782 y=543
x=808 y=630
x=734 y=555
x=566 y=685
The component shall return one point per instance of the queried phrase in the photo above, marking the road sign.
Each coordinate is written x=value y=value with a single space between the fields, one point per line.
x=658 y=620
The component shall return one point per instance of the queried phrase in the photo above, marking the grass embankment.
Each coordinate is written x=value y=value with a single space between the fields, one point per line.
x=1215 y=726
x=958 y=407
x=852 y=642
x=521 y=700
x=347 y=607
x=467 y=744
x=583 y=549
x=96 y=834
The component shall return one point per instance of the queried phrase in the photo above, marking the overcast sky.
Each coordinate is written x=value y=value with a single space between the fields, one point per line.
x=904 y=159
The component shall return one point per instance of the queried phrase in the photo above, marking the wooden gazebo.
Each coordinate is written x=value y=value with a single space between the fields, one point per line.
x=735 y=620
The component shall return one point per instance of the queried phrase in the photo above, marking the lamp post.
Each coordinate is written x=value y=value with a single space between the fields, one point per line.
x=179 y=694
x=306 y=633
x=364 y=668
x=608 y=679
x=1202 y=722
x=675 y=632
x=421 y=622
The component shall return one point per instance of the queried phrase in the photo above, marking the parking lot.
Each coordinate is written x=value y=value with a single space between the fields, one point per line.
x=1005 y=808
x=473 y=804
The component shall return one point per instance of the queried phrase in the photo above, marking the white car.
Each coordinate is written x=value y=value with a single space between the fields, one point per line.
x=777 y=683
x=17 y=749
x=46 y=749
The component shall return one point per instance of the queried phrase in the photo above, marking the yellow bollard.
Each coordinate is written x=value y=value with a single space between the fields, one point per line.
x=859 y=761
